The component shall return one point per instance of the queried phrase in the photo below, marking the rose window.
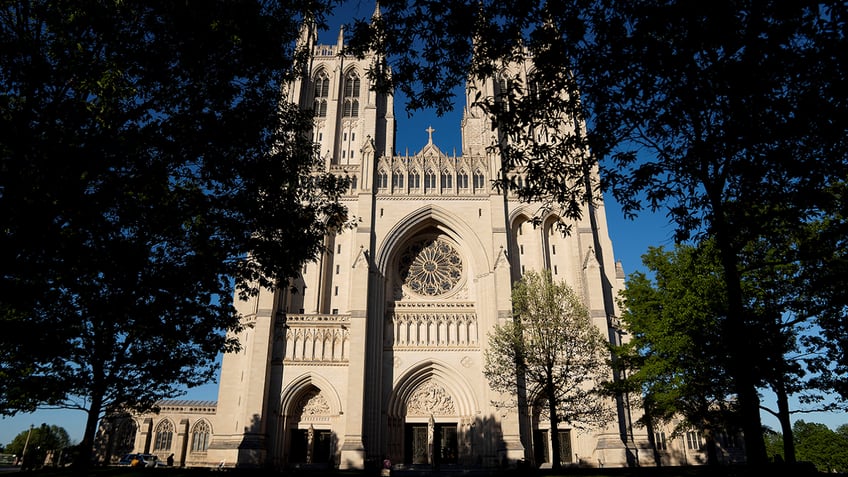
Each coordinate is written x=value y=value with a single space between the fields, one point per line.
x=430 y=267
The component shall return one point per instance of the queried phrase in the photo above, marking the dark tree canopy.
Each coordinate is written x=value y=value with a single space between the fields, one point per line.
x=144 y=154
x=728 y=115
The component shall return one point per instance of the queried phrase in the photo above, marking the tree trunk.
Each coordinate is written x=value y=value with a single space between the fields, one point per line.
x=712 y=449
x=84 y=457
x=739 y=345
x=785 y=424
x=556 y=464
x=652 y=440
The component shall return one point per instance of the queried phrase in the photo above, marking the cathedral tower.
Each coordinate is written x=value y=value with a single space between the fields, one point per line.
x=377 y=347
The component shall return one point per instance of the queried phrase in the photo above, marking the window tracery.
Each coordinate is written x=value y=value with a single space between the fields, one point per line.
x=430 y=267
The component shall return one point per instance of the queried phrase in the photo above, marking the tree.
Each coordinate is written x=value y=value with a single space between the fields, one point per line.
x=729 y=116
x=144 y=155
x=38 y=441
x=551 y=353
x=818 y=444
x=731 y=105
x=676 y=356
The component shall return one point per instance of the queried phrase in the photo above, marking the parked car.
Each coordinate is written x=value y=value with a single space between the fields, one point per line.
x=145 y=460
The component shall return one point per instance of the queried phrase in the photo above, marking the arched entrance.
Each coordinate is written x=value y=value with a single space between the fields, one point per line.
x=311 y=439
x=426 y=440
x=307 y=432
x=430 y=417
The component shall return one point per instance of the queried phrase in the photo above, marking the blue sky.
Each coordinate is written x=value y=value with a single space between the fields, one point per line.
x=630 y=239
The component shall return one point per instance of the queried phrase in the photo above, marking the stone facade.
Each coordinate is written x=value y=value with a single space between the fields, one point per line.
x=380 y=350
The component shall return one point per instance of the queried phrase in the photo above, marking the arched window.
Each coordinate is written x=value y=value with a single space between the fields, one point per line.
x=125 y=437
x=479 y=180
x=429 y=180
x=200 y=436
x=502 y=86
x=164 y=436
x=447 y=179
x=353 y=183
x=533 y=89
x=351 y=95
x=382 y=179
x=414 y=180
x=397 y=180
x=322 y=90
x=462 y=180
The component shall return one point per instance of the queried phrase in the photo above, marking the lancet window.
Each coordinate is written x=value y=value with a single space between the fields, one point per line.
x=351 y=95
x=322 y=90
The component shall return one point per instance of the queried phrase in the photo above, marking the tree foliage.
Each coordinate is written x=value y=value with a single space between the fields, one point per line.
x=39 y=440
x=551 y=359
x=730 y=116
x=676 y=356
x=826 y=449
x=144 y=153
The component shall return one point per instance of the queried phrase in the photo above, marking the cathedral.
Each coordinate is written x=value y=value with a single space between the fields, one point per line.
x=376 y=350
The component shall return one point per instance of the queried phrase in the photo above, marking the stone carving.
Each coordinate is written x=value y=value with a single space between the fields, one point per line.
x=431 y=330
x=430 y=399
x=313 y=404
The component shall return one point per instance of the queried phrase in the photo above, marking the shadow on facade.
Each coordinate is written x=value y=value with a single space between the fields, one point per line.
x=437 y=446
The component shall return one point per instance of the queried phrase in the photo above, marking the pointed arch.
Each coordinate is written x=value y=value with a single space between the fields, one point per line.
x=201 y=435
x=454 y=384
x=164 y=435
x=304 y=384
x=351 y=93
x=321 y=91
x=444 y=221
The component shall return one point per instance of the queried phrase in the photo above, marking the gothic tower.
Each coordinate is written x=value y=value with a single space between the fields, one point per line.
x=379 y=350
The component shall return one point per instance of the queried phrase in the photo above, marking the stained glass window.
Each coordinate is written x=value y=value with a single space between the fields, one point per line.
x=431 y=267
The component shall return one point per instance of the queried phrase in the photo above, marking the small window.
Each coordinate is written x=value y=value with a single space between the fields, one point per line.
x=414 y=180
x=397 y=180
x=694 y=441
x=462 y=180
x=479 y=180
x=447 y=179
x=659 y=441
x=429 y=180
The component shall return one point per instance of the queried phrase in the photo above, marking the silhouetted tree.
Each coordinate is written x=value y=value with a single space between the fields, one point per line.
x=144 y=155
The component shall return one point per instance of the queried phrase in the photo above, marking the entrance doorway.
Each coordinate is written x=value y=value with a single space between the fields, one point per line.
x=430 y=444
x=311 y=446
